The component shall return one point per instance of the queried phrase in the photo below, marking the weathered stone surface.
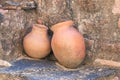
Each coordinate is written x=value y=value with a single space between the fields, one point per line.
x=97 y=22
x=116 y=8
x=10 y=77
x=47 y=70
x=54 y=11
x=95 y=19
x=12 y=30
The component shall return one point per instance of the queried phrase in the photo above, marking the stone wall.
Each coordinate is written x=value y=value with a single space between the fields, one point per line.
x=97 y=20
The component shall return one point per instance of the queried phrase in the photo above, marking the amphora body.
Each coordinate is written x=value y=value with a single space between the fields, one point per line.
x=67 y=44
x=36 y=43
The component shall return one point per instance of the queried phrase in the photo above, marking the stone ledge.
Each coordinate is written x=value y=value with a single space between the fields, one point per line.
x=46 y=70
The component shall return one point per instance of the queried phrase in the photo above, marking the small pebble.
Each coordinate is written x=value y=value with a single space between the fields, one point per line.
x=5 y=63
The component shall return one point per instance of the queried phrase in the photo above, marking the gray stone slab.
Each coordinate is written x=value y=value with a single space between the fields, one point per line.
x=47 y=70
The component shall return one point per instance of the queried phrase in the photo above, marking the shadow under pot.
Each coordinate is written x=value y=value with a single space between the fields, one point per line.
x=68 y=44
x=36 y=43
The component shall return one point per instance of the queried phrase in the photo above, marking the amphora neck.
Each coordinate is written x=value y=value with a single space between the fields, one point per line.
x=62 y=25
x=39 y=28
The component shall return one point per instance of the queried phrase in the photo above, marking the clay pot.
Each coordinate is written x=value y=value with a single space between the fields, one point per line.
x=67 y=44
x=36 y=43
x=119 y=23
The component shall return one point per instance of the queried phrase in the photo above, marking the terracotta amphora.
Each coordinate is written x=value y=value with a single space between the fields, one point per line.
x=68 y=44
x=36 y=43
